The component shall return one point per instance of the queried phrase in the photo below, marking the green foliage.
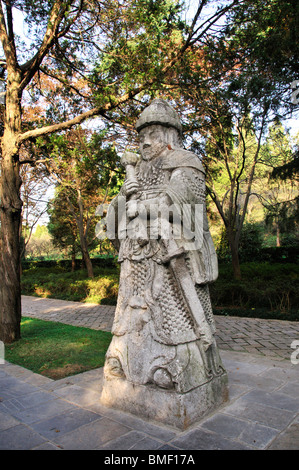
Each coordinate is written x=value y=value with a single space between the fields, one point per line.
x=289 y=170
x=280 y=195
x=40 y=243
x=57 y=283
x=250 y=245
x=86 y=169
x=137 y=46
x=102 y=262
x=267 y=32
x=265 y=287
x=57 y=350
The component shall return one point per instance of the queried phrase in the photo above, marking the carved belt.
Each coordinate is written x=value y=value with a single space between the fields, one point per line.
x=151 y=194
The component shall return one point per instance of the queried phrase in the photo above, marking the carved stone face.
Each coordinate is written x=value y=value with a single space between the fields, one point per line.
x=153 y=140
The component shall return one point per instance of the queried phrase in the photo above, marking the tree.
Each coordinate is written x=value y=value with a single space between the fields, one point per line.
x=234 y=85
x=40 y=243
x=225 y=127
x=278 y=196
x=81 y=167
x=266 y=33
x=35 y=205
x=69 y=39
x=239 y=158
x=63 y=227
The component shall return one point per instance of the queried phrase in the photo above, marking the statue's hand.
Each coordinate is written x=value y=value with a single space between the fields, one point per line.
x=132 y=209
x=130 y=186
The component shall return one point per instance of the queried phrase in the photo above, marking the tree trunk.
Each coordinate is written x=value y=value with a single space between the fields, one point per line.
x=83 y=235
x=10 y=262
x=277 y=234
x=234 y=245
x=236 y=262
x=10 y=214
x=86 y=257
x=73 y=260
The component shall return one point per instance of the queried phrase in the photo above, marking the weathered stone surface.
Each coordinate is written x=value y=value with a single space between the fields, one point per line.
x=168 y=407
x=163 y=361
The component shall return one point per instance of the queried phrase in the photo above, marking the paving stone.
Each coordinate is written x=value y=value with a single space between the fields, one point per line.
x=133 y=441
x=263 y=411
x=26 y=401
x=146 y=444
x=43 y=411
x=7 y=421
x=38 y=380
x=159 y=432
x=275 y=399
x=263 y=383
x=245 y=431
x=168 y=447
x=291 y=389
x=285 y=373
x=19 y=437
x=12 y=387
x=91 y=436
x=78 y=395
x=260 y=413
x=65 y=422
x=125 y=442
x=46 y=446
x=200 y=439
x=287 y=440
x=228 y=426
x=257 y=435
x=236 y=390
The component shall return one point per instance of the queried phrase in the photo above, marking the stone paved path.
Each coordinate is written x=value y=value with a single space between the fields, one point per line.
x=271 y=338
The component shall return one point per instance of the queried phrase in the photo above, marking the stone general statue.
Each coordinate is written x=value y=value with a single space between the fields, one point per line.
x=163 y=361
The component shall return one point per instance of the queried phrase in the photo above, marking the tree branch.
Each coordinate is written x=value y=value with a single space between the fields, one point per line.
x=248 y=192
x=6 y=40
x=214 y=198
x=212 y=20
x=83 y=116
x=57 y=15
x=59 y=126
x=9 y=22
x=63 y=81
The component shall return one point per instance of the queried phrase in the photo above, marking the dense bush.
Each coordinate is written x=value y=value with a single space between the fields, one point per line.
x=272 y=254
x=101 y=262
x=273 y=287
x=280 y=254
x=251 y=248
x=57 y=283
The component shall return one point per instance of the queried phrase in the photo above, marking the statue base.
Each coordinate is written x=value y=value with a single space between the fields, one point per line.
x=168 y=407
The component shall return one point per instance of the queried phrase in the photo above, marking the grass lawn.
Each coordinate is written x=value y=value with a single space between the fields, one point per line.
x=57 y=350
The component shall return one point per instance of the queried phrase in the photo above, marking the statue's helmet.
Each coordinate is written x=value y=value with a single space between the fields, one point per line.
x=159 y=112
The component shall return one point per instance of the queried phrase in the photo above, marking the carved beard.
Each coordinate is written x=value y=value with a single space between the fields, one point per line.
x=145 y=169
x=153 y=151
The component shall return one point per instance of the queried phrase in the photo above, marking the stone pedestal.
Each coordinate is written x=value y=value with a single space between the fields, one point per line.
x=179 y=410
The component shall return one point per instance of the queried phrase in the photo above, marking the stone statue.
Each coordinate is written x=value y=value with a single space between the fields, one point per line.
x=163 y=362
